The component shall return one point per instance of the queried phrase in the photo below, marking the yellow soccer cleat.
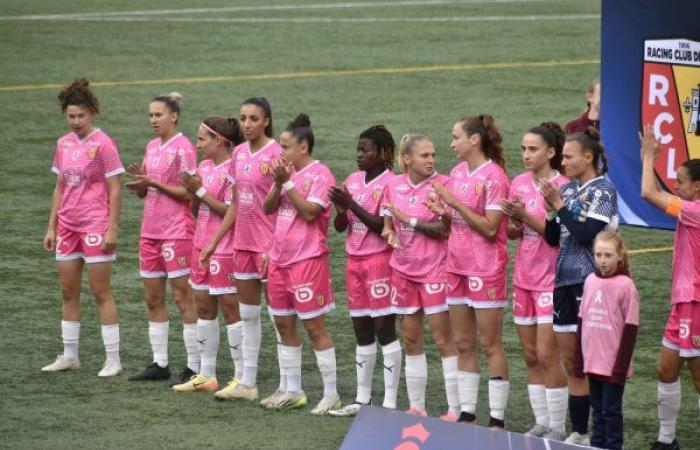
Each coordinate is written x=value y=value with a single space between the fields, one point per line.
x=225 y=393
x=198 y=383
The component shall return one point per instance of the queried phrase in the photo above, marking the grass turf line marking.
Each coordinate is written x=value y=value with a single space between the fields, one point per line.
x=312 y=6
x=650 y=250
x=317 y=74
x=298 y=20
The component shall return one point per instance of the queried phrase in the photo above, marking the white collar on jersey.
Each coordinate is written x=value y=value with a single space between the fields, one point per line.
x=473 y=172
x=269 y=143
x=164 y=144
x=306 y=166
x=221 y=164
x=375 y=178
x=96 y=130
x=583 y=186
x=416 y=186
x=534 y=183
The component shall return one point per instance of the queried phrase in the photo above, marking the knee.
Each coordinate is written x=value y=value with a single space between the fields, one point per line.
x=182 y=298
x=532 y=357
x=547 y=357
x=70 y=295
x=491 y=347
x=102 y=294
x=465 y=346
x=666 y=375
x=154 y=300
x=413 y=344
x=205 y=311
x=317 y=334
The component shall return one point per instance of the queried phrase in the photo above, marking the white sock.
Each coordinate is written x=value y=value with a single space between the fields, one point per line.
x=365 y=360
x=498 y=398
x=538 y=402
x=669 y=396
x=557 y=404
x=235 y=335
x=250 y=316
x=158 y=336
x=468 y=385
x=70 y=332
x=450 y=372
x=110 y=337
x=290 y=358
x=392 y=373
x=189 y=335
x=416 y=380
x=283 y=374
x=208 y=337
x=326 y=365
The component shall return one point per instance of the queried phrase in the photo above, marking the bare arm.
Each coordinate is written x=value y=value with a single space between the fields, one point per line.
x=486 y=225
x=307 y=210
x=50 y=238
x=114 y=186
x=272 y=199
x=651 y=191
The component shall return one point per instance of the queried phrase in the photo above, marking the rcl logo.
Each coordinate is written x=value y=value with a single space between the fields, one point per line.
x=413 y=437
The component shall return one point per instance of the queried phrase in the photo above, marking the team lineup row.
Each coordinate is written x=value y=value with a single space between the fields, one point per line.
x=252 y=219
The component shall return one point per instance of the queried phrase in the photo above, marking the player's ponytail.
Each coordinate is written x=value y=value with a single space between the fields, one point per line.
x=172 y=101
x=78 y=93
x=383 y=140
x=226 y=128
x=553 y=135
x=300 y=128
x=491 y=139
x=589 y=140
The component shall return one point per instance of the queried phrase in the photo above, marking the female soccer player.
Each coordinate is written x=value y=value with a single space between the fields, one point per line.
x=576 y=213
x=213 y=283
x=299 y=281
x=367 y=272
x=681 y=340
x=607 y=331
x=84 y=223
x=533 y=278
x=251 y=168
x=166 y=235
x=477 y=284
x=418 y=282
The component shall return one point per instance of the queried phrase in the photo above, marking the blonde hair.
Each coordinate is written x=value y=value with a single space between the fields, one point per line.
x=406 y=145
x=614 y=236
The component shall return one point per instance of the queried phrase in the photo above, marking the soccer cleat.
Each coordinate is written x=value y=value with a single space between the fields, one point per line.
x=466 y=418
x=62 y=363
x=290 y=400
x=416 y=412
x=197 y=383
x=661 y=446
x=449 y=417
x=555 y=435
x=110 y=369
x=326 y=404
x=578 y=439
x=272 y=399
x=242 y=392
x=152 y=372
x=183 y=377
x=346 y=411
x=225 y=393
x=497 y=424
x=537 y=431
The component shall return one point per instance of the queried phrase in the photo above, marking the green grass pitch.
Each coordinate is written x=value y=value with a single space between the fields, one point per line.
x=448 y=59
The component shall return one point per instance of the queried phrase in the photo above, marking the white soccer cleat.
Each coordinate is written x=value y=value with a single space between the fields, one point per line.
x=578 y=439
x=110 y=369
x=62 y=363
x=554 y=435
x=346 y=411
x=273 y=399
x=326 y=404
x=538 y=431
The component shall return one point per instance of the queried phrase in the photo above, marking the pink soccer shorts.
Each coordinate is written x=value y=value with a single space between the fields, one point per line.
x=532 y=307
x=368 y=284
x=304 y=288
x=477 y=292
x=408 y=296
x=682 y=331
x=88 y=246
x=248 y=265
x=161 y=258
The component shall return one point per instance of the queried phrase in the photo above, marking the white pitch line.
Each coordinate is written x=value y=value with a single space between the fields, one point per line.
x=259 y=8
x=296 y=20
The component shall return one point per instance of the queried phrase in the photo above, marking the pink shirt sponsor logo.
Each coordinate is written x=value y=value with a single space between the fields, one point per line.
x=482 y=189
x=420 y=258
x=535 y=260
x=361 y=240
x=84 y=166
x=165 y=217
x=253 y=176
x=295 y=239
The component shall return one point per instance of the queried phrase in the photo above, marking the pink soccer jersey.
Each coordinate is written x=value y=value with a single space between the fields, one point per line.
x=295 y=239
x=217 y=181
x=535 y=260
x=163 y=216
x=607 y=305
x=361 y=240
x=253 y=176
x=470 y=253
x=84 y=165
x=420 y=258
x=685 y=272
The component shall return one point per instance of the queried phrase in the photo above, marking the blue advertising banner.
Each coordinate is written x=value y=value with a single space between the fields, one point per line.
x=650 y=74
x=384 y=429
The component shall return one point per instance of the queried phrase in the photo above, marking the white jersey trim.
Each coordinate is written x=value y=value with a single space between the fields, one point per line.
x=381 y=312
x=147 y=274
x=115 y=172
x=598 y=217
x=55 y=170
x=179 y=273
x=246 y=276
x=223 y=291
x=565 y=328
x=198 y=287
x=100 y=259
x=312 y=315
x=319 y=202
